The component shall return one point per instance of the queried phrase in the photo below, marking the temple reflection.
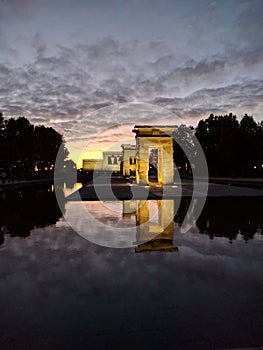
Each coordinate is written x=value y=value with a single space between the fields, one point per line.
x=154 y=224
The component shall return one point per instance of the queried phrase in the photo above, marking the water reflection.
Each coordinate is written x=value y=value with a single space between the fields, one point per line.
x=27 y=208
x=227 y=217
x=125 y=223
x=59 y=291
x=154 y=227
x=150 y=222
x=162 y=228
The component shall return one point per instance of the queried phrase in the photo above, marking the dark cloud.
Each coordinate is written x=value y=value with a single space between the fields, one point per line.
x=38 y=44
x=72 y=82
x=248 y=26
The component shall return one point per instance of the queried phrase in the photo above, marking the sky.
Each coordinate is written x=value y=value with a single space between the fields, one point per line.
x=62 y=60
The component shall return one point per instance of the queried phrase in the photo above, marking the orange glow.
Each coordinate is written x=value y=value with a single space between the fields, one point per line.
x=92 y=149
x=77 y=157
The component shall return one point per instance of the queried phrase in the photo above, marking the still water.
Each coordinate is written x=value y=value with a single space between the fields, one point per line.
x=198 y=290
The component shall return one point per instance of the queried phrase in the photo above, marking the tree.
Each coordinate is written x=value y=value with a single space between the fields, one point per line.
x=252 y=141
x=2 y=123
x=18 y=137
x=231 y=148
x=47 y=142
x=248 y=126
x=184 y=149
x=25 y=147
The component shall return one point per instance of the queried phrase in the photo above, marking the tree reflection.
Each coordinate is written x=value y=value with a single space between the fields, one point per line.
x=227 y=217
x=23 y=209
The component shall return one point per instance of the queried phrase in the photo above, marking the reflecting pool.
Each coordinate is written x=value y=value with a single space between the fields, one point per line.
x=197 y=290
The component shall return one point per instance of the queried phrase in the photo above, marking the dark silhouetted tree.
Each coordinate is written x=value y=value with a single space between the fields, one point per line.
x=184 y=149
x=25 y=147
x=231 y=148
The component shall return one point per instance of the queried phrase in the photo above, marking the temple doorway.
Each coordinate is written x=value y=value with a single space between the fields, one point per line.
x=153 y=164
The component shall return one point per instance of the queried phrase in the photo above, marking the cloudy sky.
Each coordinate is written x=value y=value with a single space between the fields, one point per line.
x=60 y=60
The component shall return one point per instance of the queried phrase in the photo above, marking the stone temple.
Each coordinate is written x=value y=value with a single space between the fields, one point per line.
x=149 y=160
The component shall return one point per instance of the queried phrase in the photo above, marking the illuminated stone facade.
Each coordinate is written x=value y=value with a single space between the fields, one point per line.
x=92 y=164
x=128 y=160
x=151 y=159
x=155 y=142
x=110 y=161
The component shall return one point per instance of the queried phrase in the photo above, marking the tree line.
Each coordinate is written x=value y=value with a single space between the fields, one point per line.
x=231 y=147
x=28 y=151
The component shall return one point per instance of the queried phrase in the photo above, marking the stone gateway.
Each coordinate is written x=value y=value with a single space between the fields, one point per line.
x=154 y=154
x=150 y=160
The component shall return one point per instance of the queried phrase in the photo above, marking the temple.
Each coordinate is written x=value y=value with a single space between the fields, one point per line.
x=150 y=160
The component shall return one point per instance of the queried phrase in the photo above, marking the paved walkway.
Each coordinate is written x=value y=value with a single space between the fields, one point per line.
x=132 y=191
x=239 y=181
x=127 y=191
x=24 y=183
